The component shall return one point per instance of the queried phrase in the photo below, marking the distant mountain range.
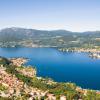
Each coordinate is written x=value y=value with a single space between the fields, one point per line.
x=12 y=34
x=20 y=37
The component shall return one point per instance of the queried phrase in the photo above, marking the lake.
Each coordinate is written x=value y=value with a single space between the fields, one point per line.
x=60 y=66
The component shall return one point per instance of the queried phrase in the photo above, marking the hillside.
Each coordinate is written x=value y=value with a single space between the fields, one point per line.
x=20 y=37
x=21 y=83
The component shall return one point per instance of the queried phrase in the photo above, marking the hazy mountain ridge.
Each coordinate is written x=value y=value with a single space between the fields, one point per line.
x=11 y=37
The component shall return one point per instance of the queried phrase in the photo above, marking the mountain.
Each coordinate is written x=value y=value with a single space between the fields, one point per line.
x=21 y=37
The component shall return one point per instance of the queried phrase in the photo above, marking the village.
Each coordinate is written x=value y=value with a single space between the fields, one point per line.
x=13 y=86
x=93 y=53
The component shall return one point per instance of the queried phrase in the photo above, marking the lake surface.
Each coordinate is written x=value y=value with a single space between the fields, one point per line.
x=60 y=66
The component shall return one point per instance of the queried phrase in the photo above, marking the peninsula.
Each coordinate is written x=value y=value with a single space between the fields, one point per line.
x=92 y=52
x=19 y=82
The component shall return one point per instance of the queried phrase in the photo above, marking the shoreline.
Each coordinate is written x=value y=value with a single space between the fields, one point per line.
x=25 y=60
x=93 y=53
x=24 y=78
x=20 y=61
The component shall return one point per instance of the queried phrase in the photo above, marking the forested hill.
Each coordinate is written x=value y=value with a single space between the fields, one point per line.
x=20 y=37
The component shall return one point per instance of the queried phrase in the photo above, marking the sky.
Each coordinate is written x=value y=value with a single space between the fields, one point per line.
x=72 y=15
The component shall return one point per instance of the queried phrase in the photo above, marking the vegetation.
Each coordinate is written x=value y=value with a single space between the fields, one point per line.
x=2 y=87
x=58 y=89
x=4 y=61
x=4 y=98
x=18 y=37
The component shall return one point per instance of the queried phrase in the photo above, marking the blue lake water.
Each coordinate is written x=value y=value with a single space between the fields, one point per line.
x=60 y=66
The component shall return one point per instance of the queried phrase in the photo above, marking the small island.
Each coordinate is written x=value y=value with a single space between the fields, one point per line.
x=19 y=82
